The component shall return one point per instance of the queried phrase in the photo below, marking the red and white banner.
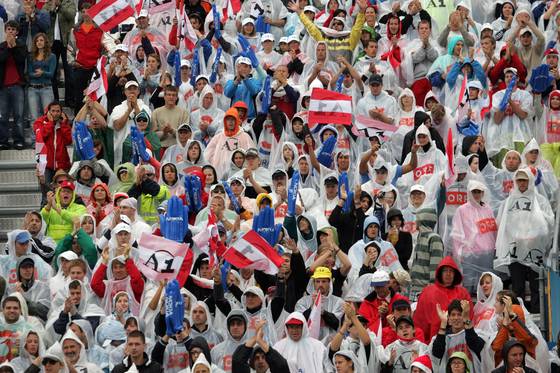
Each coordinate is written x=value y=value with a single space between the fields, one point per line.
x=159 y=6
x=107 y=14
x=365 y=126
x=314 y=322
x=230 y=8
x=252 y=251
x=160 y=258
x=208 y=240
x=99 y=85
x=329 y=107
x=186 y=31
x=40 y=153
x=450 y=161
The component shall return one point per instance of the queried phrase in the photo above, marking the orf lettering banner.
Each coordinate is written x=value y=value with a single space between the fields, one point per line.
x=160 y=258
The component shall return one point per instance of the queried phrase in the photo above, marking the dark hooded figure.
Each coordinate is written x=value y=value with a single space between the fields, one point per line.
x=420 y=118
x=513 y=355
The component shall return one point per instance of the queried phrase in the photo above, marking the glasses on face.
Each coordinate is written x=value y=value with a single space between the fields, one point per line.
x=144 y=120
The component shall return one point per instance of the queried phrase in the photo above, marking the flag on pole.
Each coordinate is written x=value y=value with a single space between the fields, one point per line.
x=314 y=322
x=364 y=126
x=98 y=85
x=186 y=31
x=40 y=153
x=329 y=107
x=107 y=14
x=230 y=8
x=450 y=160
x=463 y=95
x=208 y=240
x=252 y=251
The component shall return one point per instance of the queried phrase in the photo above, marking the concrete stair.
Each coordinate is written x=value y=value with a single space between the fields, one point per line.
x=19 y=188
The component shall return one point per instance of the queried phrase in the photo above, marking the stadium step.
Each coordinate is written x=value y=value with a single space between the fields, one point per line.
x=19 y=189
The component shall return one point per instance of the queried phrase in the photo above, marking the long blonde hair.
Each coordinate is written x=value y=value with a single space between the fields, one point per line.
x=46 y=50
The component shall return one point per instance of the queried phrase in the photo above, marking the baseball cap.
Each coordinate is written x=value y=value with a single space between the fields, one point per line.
x=283 y=39
x=184 y=127
x=310 y=8
x=23 y=237
x=131 y=83
x=525 y=30
x=236 y=317
x=294 y=321
x=417 y=188
x=475 y=84
x=121 y=47
x=244 y=60
x=380 y=278
x=122 y=227
x=510 y=69
x=551 y=52
x=406 y=319
x=27 y=261
x=322 y=272
x=293 y=38
x=143 y=13
x=279 y=173
x=247 y=21
x=375 y=79
x=251 y=152
x=331 y=180
x=267 y=37
x=68 y=185
x=400 y=303
x=185 y=63
x=521 y=175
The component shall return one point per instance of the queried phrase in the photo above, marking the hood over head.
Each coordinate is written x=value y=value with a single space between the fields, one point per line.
x=372 y=219
x=448 y=262
x=200 y=342
x=426 y=219
x=232 y=112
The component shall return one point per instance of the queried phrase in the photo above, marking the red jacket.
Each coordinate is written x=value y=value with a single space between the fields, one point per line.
x=426 y=316
x=369 y=310
x=88 y=46
x=136 y=281
x=56 y=139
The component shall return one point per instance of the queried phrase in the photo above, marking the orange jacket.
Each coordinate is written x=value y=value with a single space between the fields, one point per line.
x=518 y=330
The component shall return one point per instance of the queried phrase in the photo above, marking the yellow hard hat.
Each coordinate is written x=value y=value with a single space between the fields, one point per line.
x=322 y=272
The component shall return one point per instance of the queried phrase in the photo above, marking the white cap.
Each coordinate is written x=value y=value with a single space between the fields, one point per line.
x=486 y=26
x=201 y=76
x=247 y=20
x=475 y=84
x=283 y=39
x=510 y=69
x=310 y=8
x=244 y=60
x=186 y=63
x=267 y=37
x=379 y=278
x=121 y=47
x=122 y=227
x=143 y=13
x=417 y=188
x=129 y=202
x=293 y=38
x=131 y=83
x=524 y=30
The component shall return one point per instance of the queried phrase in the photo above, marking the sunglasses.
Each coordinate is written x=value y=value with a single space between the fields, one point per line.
x=142 y=120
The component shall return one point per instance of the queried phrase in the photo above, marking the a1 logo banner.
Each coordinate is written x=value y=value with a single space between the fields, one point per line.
x=160 y=258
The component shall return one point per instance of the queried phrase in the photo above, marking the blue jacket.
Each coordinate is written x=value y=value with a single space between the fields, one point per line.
x=41 y=23
x=47 y=66
x=245 y=91
x=477 y=72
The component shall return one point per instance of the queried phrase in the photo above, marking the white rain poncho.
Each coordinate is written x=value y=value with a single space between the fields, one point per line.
x=186 y=165
x=517 y=241
x=547 y=183
x=329 y=303
x=95 y=354
x=383 y=103
x=474 y=237
x=222 y=353
x=25 y=359
x=431 y=166
x=82 y=365
x=306 y=355
x=8 y=263
x=175 y=152
x=210 y=334
x=404 y=121
x=512 y=129
x=484 y=319
x=213 y=115
x=405 y=350
x=264 y=313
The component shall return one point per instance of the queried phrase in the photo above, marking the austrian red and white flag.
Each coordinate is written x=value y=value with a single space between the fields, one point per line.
x=208 y=240
x=314 y=322
x=162 y=259
x=230 y=8
x=252 y=251
x=364 y=126
x=98 y=85
x=107 y=14
x=329 y=107
x=186 y=31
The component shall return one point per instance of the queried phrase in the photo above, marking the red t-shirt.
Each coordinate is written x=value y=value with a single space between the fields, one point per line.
x=11 y=75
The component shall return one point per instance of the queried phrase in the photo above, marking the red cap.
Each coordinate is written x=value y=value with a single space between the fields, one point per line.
x=551 y=51
x=294 y=321
x=68 y=184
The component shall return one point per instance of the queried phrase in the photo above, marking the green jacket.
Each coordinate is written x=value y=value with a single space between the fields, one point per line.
x=149 y=195
x=59 y=226
x=66 y=13
x=84 y=241
x=124 y=186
